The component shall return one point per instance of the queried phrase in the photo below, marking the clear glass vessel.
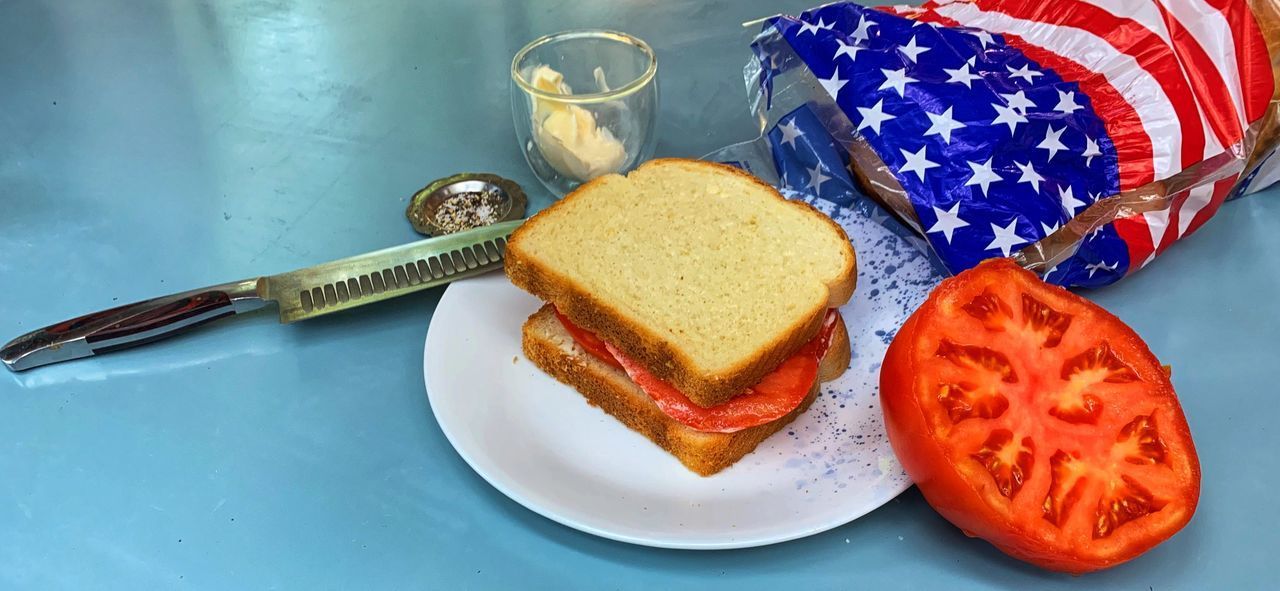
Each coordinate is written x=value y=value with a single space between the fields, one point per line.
x=585 y=104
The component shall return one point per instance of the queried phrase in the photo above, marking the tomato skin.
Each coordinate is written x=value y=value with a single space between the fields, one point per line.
x=956 y=497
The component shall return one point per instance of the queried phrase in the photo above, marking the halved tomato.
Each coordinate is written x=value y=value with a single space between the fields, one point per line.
x=1036 y=420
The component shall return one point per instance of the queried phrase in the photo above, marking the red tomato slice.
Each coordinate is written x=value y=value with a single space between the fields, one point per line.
x=588 y=340
x=777 y=394
x=1034 y=419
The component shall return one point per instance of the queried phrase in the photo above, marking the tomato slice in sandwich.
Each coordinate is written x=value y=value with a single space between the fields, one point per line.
x=1034 y=419
x=777 y=394
x=588 y=340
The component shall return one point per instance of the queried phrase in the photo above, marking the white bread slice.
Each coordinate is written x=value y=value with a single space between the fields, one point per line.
x=699 y=271
x=549 y=346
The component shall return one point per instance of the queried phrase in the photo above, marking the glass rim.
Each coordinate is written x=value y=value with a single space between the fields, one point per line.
x=595 y=97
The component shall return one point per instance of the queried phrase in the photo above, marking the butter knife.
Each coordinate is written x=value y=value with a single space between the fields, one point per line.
x=305 y=293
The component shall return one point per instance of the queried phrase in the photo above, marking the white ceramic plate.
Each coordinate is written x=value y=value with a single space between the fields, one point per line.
x=539 y=442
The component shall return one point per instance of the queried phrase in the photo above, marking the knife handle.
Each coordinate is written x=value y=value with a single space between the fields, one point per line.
x=129 y=325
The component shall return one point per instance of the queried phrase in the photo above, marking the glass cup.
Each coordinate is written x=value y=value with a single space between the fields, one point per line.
x=585 y=104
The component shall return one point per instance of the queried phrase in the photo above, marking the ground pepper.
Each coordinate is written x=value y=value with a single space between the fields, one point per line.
x=465 y=211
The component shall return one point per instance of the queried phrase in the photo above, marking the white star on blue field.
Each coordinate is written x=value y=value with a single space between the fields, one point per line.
x=992 y=151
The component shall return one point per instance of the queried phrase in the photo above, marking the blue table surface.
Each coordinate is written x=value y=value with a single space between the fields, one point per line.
x=150 y=147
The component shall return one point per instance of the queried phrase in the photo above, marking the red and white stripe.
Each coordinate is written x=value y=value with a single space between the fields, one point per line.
x=1175 y=82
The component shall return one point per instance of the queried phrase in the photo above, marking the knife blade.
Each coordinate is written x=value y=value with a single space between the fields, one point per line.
x=299 y=295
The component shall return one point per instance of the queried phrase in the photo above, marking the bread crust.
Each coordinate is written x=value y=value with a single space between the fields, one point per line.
x=550 y=347
x=645 y=345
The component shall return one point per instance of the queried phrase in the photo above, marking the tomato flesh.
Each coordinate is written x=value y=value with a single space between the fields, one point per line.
x=588 y=340
x=778 y=393
x=1034 y=419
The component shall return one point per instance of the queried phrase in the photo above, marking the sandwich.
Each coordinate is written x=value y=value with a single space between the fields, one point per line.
x=690 y=301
